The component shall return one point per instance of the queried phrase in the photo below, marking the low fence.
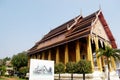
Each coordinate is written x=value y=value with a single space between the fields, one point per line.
x=73 y=77
x=93 y=76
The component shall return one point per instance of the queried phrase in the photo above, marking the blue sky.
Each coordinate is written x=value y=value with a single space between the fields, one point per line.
x=24 y=22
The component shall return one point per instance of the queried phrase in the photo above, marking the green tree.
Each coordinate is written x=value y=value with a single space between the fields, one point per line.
x=71 y=68
x=59 y=68
x=83 y=66
x=19 y=60
x=1 y=62
x=6 y=59
x=2 y=70
x=108 y=53
x=23 y=71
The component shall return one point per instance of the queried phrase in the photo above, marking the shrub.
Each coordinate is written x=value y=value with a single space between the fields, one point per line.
x=71 y=67
x=2 y=70
x=23 y=71
x=59 y=68
x=83 y=66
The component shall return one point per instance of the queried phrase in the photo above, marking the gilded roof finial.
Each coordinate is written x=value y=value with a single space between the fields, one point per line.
x=80 y=12
x=100 y=7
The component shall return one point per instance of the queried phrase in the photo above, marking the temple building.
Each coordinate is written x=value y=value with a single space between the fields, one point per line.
x=77 y=39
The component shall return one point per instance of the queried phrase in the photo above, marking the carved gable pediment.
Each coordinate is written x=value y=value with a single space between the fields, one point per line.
x=99 y=30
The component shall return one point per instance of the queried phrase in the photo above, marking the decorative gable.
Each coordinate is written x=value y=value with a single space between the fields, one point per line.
x=98 y=30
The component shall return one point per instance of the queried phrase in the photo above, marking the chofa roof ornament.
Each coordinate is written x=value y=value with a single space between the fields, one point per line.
x=75 y=22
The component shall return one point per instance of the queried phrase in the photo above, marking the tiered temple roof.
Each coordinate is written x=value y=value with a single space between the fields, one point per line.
x=74 y=29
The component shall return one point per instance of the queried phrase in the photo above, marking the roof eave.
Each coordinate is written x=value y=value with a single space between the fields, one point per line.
x=107 y=29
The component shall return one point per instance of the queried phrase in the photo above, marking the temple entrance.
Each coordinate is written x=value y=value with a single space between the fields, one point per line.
x=83 y=48
x=62 y=53
x=95 y=59
x=71 y=51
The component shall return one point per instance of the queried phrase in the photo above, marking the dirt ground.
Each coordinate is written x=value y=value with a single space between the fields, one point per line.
x=9 y=78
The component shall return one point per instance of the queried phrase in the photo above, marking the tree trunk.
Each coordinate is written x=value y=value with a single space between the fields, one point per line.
x=71 y=76
x=59 y=76
x=108 y=69
x=83 y=76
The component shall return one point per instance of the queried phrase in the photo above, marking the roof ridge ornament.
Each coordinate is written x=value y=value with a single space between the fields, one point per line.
x=94 y=21
x=99 y=6
x=81 y=12
x=99 y=11
x=76 y=20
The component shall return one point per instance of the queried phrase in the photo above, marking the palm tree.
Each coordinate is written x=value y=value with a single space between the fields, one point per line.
x=108 y=53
